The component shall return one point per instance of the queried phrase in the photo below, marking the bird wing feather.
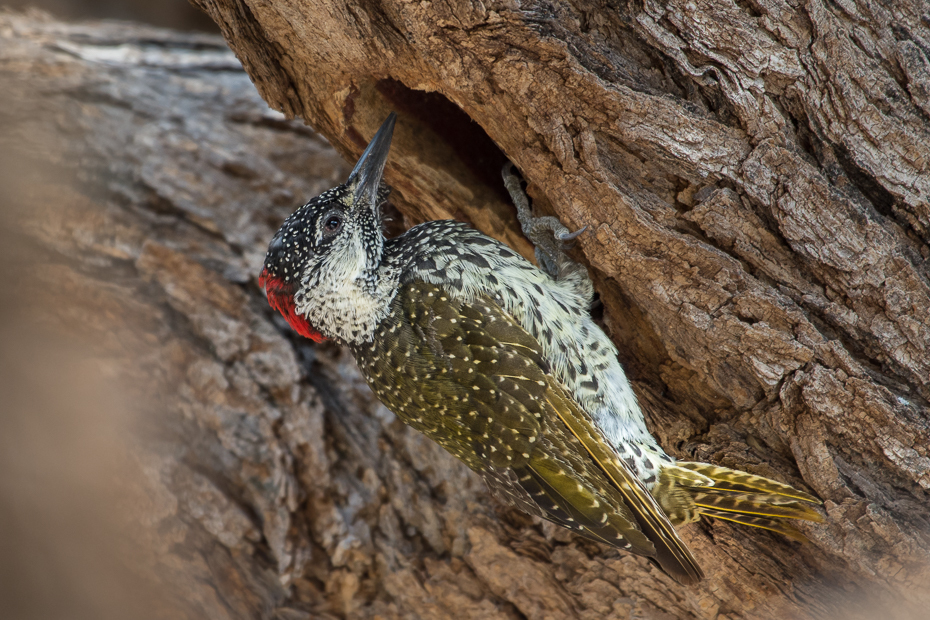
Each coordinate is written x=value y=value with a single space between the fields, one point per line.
x=485 y=392
x=671 y=552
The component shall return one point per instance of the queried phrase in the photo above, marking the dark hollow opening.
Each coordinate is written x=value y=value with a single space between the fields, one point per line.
x=467 y=138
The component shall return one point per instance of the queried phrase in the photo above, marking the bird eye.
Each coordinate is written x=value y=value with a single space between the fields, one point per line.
x=332 y=223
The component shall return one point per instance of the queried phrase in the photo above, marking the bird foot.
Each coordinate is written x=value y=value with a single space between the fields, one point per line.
x=550 y=237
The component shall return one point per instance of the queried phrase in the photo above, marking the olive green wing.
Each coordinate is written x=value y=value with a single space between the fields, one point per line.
x=485 y=393
x=671 y=552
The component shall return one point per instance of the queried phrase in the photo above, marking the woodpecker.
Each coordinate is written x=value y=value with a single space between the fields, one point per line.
x=501 y=364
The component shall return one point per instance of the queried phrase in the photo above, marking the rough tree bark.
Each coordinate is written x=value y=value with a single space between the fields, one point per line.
x=755 y=181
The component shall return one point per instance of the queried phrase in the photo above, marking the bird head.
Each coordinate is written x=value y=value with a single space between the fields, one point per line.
x=329 y=250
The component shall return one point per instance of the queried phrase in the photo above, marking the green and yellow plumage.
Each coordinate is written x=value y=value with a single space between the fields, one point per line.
x=474 y=381
x=732 y=495
x=500 y=363
x=471 y=379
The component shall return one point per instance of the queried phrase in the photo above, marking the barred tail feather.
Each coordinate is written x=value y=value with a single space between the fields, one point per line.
x=755 y=504
x=734 y=480
x=741 y=497
x=782 y=527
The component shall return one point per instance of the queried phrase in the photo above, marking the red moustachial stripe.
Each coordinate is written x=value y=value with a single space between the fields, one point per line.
x=281 y=297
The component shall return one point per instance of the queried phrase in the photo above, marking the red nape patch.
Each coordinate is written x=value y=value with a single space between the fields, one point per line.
x=280 y=296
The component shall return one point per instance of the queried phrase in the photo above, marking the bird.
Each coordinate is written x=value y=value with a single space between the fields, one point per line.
x=501 y=363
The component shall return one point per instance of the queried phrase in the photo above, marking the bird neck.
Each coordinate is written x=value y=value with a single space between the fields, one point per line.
x=350 y=301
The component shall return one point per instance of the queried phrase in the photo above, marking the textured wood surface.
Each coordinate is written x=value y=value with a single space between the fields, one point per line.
x=755 y=182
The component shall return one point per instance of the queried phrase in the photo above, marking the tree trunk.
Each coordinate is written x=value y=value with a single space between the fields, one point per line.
x=755 y=182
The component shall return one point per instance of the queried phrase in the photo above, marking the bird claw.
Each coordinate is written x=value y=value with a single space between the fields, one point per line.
x=571 y=236
x=550 y=238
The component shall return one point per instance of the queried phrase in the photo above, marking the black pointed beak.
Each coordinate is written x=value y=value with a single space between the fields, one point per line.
x=366 y=176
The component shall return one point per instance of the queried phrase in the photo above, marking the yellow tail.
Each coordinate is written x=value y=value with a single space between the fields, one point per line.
x=687 y=490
